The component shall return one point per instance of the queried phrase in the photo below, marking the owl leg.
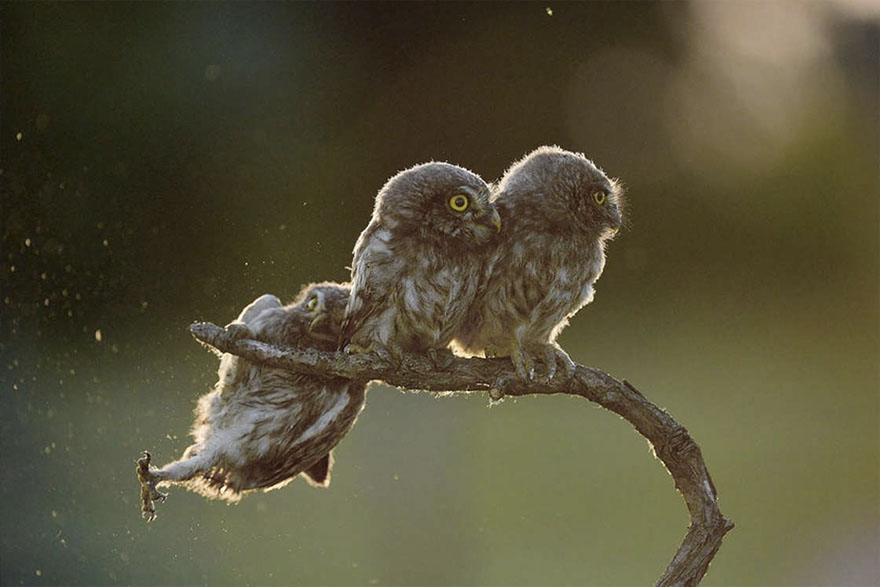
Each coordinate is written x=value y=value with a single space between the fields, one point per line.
x=182 y=470
x=196 y=460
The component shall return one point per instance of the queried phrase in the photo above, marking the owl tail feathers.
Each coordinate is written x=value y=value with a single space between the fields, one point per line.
x=318 y=475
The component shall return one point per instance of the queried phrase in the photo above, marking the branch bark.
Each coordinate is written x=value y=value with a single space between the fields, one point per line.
x=671 y=442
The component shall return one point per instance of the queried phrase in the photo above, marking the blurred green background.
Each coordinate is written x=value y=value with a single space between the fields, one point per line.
x=165 y=163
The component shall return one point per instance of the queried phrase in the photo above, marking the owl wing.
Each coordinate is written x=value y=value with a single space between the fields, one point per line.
x=373 y=274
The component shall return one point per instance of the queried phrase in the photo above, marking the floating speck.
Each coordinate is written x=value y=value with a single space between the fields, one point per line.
x=18 y=138
x=98 y=335
x=106 y=242
x=27 y=242
x=549 y=11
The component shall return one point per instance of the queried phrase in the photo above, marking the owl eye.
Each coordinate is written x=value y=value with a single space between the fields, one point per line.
x=458 y=202
x=599 y=197
x=312 y=304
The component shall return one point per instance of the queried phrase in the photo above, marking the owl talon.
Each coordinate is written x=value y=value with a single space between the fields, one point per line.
x=149 y=493
x=553 y=356
x=238 y=330
x=356 y=349
x=393 y=359
x=442 y=359
x=524 y=364
x=568 y=365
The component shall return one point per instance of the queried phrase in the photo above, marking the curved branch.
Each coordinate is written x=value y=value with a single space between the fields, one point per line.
x=671 y=442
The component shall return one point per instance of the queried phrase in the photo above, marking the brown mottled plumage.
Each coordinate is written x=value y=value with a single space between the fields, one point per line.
x=558 y=211
x=418 y=263
x=260 y=427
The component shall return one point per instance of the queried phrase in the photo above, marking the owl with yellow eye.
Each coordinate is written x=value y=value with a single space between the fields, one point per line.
x=260 y=427
x=559 y=211
x=418 y=263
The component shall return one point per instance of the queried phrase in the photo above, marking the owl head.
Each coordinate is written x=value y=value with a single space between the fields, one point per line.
x=323 y=307
x=439 y=203
x=561 y=185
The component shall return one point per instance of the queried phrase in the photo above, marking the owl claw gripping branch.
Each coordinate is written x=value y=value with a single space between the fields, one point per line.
x=446 y=260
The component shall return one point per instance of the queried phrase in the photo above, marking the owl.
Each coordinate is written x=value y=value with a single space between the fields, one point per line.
x=418 y=263
x=260 y=426
x=559 y=210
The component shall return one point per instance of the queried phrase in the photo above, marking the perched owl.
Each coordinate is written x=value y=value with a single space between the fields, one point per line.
x=260 y=426
x=418 y=263
x=558 y=210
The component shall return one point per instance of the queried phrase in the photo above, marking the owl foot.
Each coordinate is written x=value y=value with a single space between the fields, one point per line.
x=441 y=358
x=391 y=356
x=356 y=349
x=149 y=493
x=553 y=356
x=523 y=363
x=550 y=354
x=238 y=330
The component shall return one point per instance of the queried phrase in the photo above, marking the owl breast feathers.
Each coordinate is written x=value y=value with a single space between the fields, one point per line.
x=260 y=426
x=418 y=263
x=558 y=211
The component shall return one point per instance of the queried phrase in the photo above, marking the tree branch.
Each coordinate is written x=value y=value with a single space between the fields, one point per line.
x=671 y=442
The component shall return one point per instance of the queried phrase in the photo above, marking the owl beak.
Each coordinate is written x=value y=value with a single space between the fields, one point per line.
x=496 y=220
x=616 y=220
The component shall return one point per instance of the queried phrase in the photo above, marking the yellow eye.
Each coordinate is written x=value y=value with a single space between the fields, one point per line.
x=599 y=197
x=458 y=202
x=312 y=304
